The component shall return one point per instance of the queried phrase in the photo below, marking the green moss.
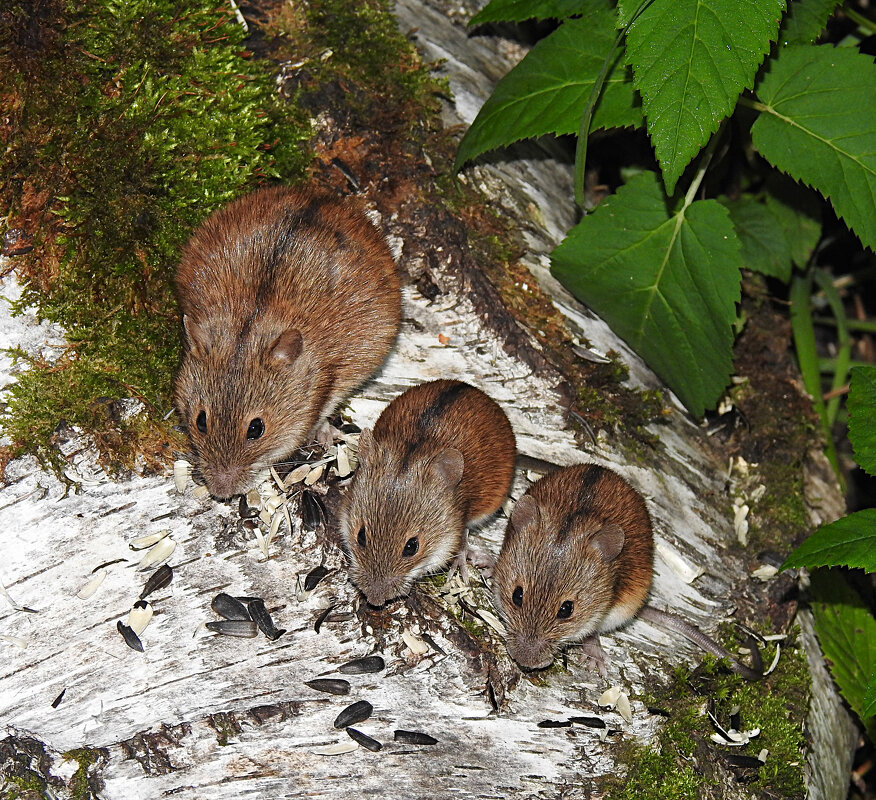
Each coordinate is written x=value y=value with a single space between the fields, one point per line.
x=79 y=785
x=129 y=123
x=23 y=785
x=682 y=763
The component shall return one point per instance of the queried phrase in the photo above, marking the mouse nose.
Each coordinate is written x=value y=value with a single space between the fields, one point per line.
x=531 y=652
x=224 y=481
x=382 y=590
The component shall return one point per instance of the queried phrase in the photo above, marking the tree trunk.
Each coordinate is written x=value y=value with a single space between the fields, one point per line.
x=212 y=717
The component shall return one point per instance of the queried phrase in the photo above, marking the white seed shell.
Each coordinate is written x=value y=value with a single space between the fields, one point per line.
x=314 y=475
x=609 y=697
x=337 y=749
x=142 y=542
x=20 y=643
x=200 y=492
x=91 y=587
x=623 y=707
x=415 y=644
x=182 y=471
x=138 y=618
x=157 y=554
x=297 y=474
x=680 y=566
x=343 y=464
x=493 y=621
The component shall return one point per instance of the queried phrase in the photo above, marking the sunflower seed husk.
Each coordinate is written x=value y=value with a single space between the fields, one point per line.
x=554 y=723
x=336 y=749
x=314 y=577
x=131 y=638
x=57 y=701
x=415 y=644
x=314 y=475
x=157 y=554
x=356 y=712
x=313 y=511
x=92 y=586
x=245 y=629
x=230 y=607
x=343 y=462
x=359 y=666
x=157 y=580
x=414 y=737
x=200 y=492
x=262 y=618
x=139 y=616
x=181 y=472
x=590 y=722
x=245 y=509
x=329 y=685
x=142 y=542
x=366 y=741
x=321 y=618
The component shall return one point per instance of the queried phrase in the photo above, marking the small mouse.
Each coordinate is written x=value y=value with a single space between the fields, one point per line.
x=576 y=561
x=440 y=456
x=290 y=299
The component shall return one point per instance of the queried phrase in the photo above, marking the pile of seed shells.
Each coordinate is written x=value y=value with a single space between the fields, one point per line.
x=359 y=711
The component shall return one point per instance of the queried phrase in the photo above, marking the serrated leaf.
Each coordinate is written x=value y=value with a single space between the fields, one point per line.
x=764 y=246
x=691 y=59
x=548 y=90
x=848 y=542
x=817 y=125
x=520 y=10
x=870 y=695
x=862 y=417
x=667 y=284
x=847 y=633
x=804 y=20
x=799 y=216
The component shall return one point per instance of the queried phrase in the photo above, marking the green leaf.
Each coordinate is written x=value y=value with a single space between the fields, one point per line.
x=799 y=218
x=765 y=248
x=691 y=59
x=848 y=542
x=520 y=10
x=870 y=696
x=817 y=125
x=805 y=20
x=667 y=284
x=547 y=91
x=847 y=633
x=862 y=417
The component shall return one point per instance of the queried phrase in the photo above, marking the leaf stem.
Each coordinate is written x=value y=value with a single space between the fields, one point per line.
x=755 y=104
x=860 y=19
x=705 y=160
x=844 y=349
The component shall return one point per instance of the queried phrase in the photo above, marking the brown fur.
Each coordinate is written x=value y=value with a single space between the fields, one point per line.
x=291 y=299
x=440 y=456
x=583 y=536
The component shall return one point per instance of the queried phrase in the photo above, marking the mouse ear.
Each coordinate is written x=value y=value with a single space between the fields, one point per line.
x=285 y=348
x=608 y=541
x=197 y=337
x=448 y=466
x=525 y=514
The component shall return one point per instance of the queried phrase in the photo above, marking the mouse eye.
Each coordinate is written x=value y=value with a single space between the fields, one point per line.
x=517 y=596
x=256 y=429
x=361 y=536
x=411 y=547
x=201 y=421
x=565 y=610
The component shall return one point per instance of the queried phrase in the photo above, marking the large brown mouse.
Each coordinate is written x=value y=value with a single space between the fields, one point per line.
x=440 y=456
x=577 y=560
x=290 y=300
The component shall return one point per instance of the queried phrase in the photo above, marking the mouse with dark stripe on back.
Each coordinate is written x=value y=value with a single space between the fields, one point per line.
x=576 y=561
x=290 y=300
x=441 y=456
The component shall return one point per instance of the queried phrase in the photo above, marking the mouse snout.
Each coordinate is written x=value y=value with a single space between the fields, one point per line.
x=380 y=591
x=530 y=651
x=225 y=481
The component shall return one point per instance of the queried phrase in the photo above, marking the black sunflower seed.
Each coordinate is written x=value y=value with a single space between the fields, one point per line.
x=157 y=580
x=414 y=737
x=358 y=666
x=131 y=638
x=321 y=618
x=245 y=629
x=365 y=741
x=57 y=701
x=262 y=618
x=230 y=607
x=314 y=577
x=313 y=511
x=554 y=723
x=590 y=722
x=329 y=685
x=357 y=712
